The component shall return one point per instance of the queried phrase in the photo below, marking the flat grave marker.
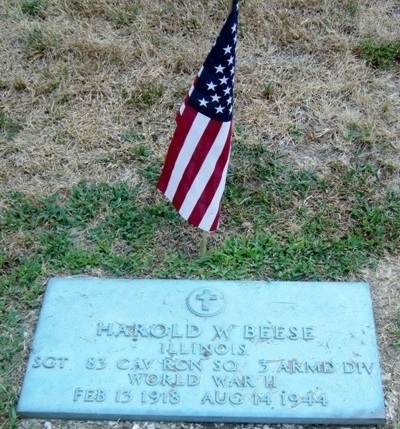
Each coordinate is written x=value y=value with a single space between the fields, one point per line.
x=196 y=350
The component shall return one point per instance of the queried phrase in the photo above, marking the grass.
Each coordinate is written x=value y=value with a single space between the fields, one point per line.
x=8 y=127
x=35 y=43
x=143 y=97
x=34 y=7
x=125 y=17
x=89 y=93
x=289 y=240
x=381 y=55
x=397 y=333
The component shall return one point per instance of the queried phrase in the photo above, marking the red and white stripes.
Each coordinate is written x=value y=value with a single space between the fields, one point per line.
x=195 y=169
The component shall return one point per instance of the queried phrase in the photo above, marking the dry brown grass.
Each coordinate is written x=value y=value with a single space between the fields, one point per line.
x=79 y=75
x=67 y=73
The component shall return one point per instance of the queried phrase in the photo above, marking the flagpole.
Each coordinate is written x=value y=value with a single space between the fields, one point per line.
x=203 y=243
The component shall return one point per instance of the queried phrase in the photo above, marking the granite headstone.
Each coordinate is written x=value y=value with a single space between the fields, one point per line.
x=191 y=350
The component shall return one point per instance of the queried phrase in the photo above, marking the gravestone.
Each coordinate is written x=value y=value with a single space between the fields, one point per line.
x=190 y=350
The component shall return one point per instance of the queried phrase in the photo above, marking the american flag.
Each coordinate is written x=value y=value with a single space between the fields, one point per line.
x=194 y=173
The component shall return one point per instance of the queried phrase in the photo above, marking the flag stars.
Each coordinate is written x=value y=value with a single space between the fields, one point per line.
x=227 y=49
x=211 y=86
x=203 y=102
x=213 y=91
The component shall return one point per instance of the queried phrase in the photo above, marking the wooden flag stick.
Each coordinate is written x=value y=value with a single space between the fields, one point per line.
x=203 y=243
x=230 y=5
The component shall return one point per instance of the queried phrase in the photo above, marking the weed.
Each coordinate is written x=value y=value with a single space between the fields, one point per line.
x=132 y=136
x=296 y=132
x=122 y=19
x=19 y=83
x=49 y=82
x=268 y=90
x=360 y=134
x=34 y=7
x=151 y=172
x=141 y=151
x=151 y=94
x=125 y=93
x=351 y=7
x=180 y=66
x=397 y=332
x=380 y=55
x=192 y=23
x=35 y=43
x=8 y=126
x=145 y=97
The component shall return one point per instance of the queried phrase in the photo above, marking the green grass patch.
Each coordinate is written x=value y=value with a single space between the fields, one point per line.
x=9 y=127
x=35 y=43
x=397 y=332
x=351 y=7
x=296 y=132
x=124 y=18
x=143 y=98
x=132 y=136
x=39 y=42
x=34 y=7
x=380 y=55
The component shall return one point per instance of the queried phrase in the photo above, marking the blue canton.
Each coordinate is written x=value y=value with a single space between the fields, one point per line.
x=212 y=92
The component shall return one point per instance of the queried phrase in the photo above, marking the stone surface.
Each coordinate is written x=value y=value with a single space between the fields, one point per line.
x=188 y=350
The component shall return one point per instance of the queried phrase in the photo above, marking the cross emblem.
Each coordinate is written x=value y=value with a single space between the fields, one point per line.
x=206 y=301
x=206 y=297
